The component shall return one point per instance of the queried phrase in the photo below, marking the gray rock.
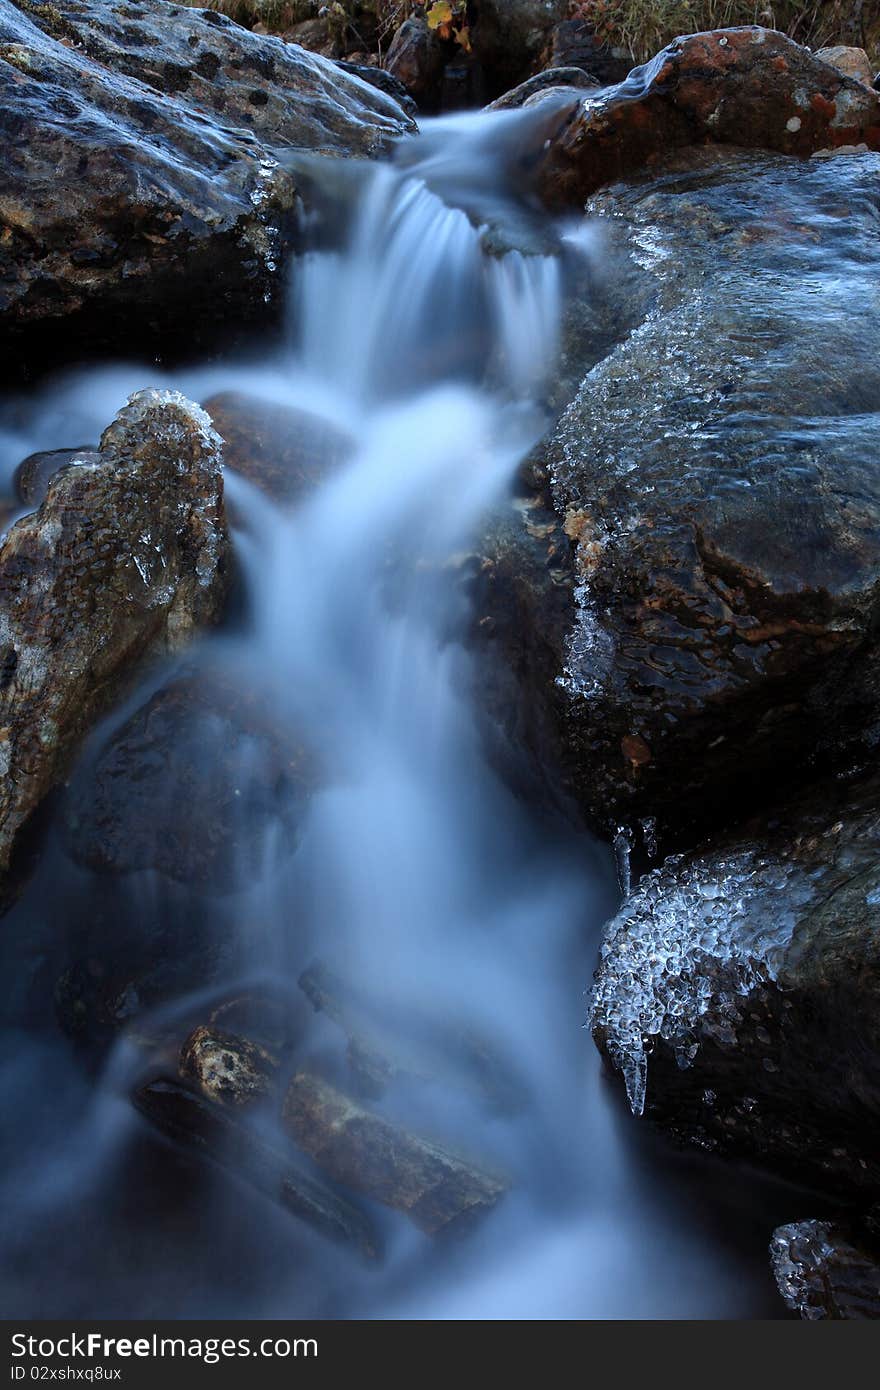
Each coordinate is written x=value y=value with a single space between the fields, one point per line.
x=714 y=478
x=193 y=785
x=143 y=199
x=125 y=558
x=542 y=82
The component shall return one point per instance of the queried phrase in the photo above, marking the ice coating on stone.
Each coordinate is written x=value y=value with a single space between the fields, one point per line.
x=688 y=944
x=798 y=1254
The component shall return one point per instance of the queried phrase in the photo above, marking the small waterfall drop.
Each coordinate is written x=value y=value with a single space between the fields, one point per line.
x=426 y=338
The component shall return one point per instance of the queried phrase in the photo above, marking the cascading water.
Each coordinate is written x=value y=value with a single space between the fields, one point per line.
x=417 y=874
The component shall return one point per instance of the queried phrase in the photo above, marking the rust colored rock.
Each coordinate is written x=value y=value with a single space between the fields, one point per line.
x=854 y=62
x=216 y=1134
x=126 y=557
x=822 y=1273
x=635 y=750
x=228 y=1069
x=284 y=452
x=436 y=1189
x=749 y=87
x=417 y=57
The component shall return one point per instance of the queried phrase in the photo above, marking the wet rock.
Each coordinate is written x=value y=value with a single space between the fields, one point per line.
x=198 y=784
x=574 y=43
x=821 y=1274
x=436 y=1189
x=193 y=1122
x=228 y=1069
x=383 y=81
x=125 y=558
x=31 y=479
x=713 y=634
x=282 y=451
x=852 y=61
x=753 y=88
x=738 y=992
x=551 y=77
x=416 y=60
x=143 y=201
x=388 y=1040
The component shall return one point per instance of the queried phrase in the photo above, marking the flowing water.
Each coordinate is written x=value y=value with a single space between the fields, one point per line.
x=418 y=874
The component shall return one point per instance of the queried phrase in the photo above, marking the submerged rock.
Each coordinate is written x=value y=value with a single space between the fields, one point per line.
x=198 y=784
x=751 y=87
x=143 y=198
x=32 y=476
x=125 y=558
x=714 y=481
x=227 y=1068
x=436 y=1189
x=388 y=1040
x=283 y=451
x=738 y=992
x=820 y=1274
x=193 y=1122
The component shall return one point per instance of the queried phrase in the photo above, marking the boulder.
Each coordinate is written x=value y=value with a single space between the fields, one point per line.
x=125 y=558
x=438 y=1190
x=143 y=201
x=714 y=480
x=283 y=451
x=738 y=992
x=822 y=1274
x=542 y=82
x=197 y=785
x=750 y=87
x=31 y=478
x=852 y=61
x=382 y=80
x=416 y=60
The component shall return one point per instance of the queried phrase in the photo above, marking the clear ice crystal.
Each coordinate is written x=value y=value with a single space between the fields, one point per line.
x=685 y=951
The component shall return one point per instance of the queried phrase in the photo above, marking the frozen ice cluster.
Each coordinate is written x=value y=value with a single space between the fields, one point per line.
x=799 y=1255
x=689 y=946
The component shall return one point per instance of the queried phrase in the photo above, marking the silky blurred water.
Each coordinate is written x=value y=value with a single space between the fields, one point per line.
x=418 y=873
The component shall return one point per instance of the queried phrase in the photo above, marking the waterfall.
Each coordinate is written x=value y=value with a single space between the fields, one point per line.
x=425 y=326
